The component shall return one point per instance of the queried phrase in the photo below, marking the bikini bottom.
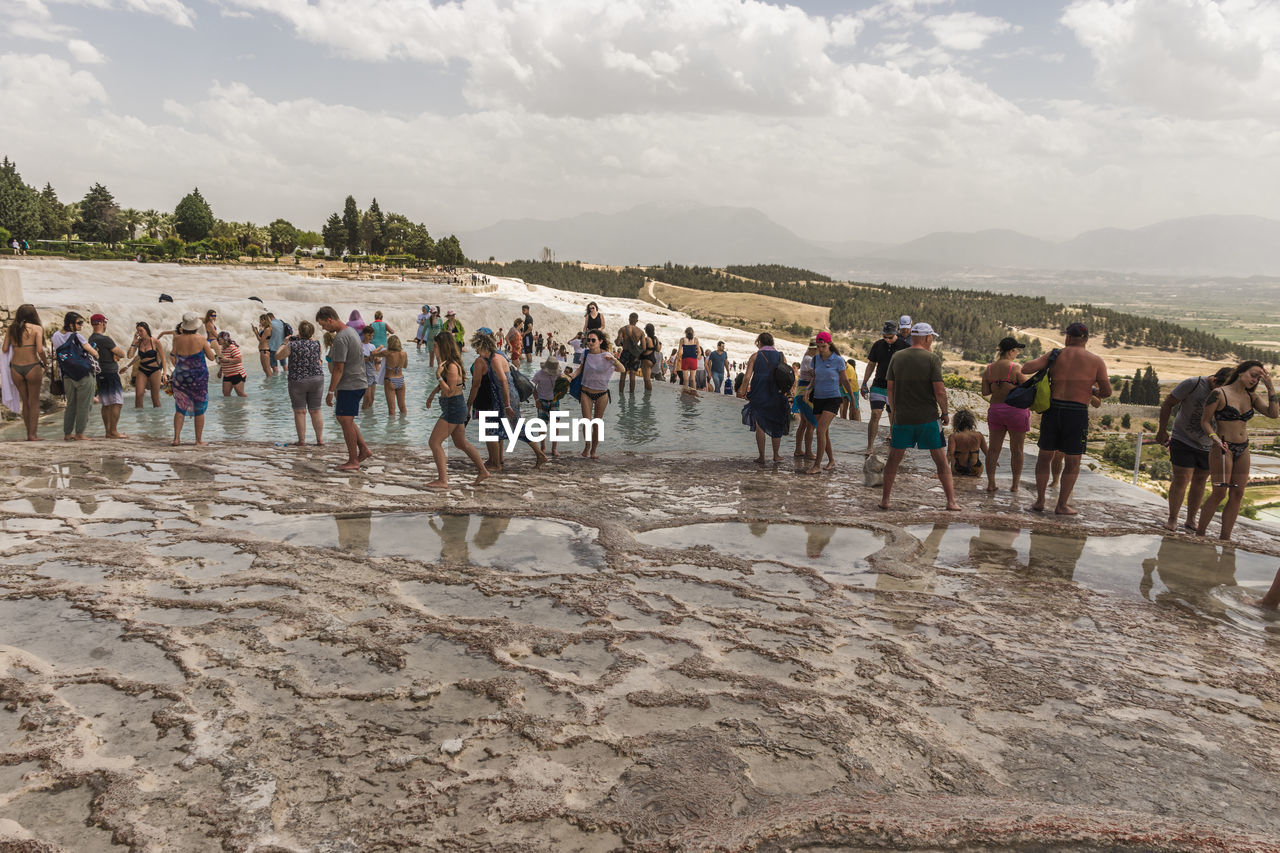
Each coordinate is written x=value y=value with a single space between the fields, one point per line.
x=596 y=395
x=24 y=369
x=1237 y=448
x=396 y=382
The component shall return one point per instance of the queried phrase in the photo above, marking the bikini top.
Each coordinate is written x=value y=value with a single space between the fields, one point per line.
x=1231 y=413
x=1009 y=381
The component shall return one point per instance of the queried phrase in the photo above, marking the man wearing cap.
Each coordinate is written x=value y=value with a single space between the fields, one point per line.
x=918 y=400
x=110 y=390
x=878 y=361
x=1076 y=375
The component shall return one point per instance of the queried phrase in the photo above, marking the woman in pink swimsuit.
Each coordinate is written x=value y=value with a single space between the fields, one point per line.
x=998 y=380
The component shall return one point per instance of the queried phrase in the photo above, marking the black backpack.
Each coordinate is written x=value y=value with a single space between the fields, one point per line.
x=288 y=330
x=73 y=361
x=784 y=377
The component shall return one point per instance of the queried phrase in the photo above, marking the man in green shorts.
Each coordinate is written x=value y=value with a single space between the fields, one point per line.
x=918 y=400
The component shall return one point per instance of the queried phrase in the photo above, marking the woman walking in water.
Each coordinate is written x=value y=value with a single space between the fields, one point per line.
x=829 y=379
x=24 y=348
x=597 y=368
x=190 y=380
x=767 y=411
x=450 y=383
x=491 y=394
x=690 y=351
x=151 y=372
x=230 y=365
x=306 y=380
x=395 y=359
x=998 y=379
x=1226 y=411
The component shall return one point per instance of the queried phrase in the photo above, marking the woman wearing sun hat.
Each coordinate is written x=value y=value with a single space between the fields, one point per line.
x=191 y=354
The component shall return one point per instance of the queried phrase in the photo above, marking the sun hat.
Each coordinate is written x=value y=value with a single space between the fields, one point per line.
x=450 y=313
x=190 y=322
x=823 y=337
x=923 y=330
x=551 y=363
x=904 y=321
x=1077 y=330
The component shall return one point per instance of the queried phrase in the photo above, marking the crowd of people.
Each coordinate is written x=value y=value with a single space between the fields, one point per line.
x=1208 y=444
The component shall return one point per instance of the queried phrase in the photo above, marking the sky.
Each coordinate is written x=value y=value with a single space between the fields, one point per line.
x=878 y=121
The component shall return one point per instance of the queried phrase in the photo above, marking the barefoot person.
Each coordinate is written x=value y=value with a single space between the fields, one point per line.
x=24 y=346
x=998 y=379
x=631 y=343
x=830 y=378
x=1189 y=446
x=918 y=400
x=877 y=392
x=966 y=447
x=768 y=411
x=79 y=391
x=492 y=395
x=346 y=384
x=151 y=372
x=191 y=354
x=800 y=405
x=1077 y=375
x=597 y=368
x=306 y=380
x=231 y=365
x=1226 y=412
x=110 y=389
x=690 y=350
x=450 y=384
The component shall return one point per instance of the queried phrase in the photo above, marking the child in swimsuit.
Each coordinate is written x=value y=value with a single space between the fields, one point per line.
x=966 y=447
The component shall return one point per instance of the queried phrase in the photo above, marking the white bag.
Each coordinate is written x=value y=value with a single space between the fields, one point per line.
x=873 y=470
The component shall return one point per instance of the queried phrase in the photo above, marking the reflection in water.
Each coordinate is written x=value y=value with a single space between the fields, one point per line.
x=354 y=531
x=758 y=528
x=452 y=530
x=818 y=537
x=1189 y=570
x=637 y=420
x=1054 y=555
x=116 y=469
x=490 y=530
x=994 y=548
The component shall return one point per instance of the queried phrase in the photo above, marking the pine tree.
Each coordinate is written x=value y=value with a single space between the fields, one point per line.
x=373 y=230
x=100 y=218
x=351 y=221
x=193 y=217
x=19 y=204
x=334 y=234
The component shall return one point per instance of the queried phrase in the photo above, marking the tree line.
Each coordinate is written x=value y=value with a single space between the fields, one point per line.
x=193 y=229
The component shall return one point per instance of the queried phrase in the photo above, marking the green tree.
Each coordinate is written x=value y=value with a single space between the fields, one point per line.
x=449 y=252
x=174 y=247
x=373 y=229
x=309 y=239
x=283 y=236
x=132 y=219
x=193 y=217
x=19 y=204
x=151 y=223
x=1125 y=421
x=351 y=222
x=1106 y=421
x=100 y=218
x=55 y=220
x=334 y=233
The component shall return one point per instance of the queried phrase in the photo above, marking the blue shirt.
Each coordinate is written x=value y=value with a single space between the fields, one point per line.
x=718 y=361
x=826 y=376
x=277 y=335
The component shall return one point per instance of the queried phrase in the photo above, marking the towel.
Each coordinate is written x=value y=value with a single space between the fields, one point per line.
x=8 y=390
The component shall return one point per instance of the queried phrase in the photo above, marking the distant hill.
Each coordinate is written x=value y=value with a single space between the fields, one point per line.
x=649 y=234
x=688 y=233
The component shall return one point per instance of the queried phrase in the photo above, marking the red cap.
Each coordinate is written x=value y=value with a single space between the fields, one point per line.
x=97 y=318
x=825 y=337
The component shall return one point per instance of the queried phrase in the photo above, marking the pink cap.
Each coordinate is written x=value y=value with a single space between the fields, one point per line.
x=823 y=337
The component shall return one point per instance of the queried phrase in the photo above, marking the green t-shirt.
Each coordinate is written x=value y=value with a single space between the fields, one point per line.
x=913 y=372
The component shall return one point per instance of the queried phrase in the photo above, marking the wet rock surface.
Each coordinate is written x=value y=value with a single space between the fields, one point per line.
x=237 y=649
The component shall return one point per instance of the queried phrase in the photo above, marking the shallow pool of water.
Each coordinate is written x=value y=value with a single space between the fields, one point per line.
x=656 y=421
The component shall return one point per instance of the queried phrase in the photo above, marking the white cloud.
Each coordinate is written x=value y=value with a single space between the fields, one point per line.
x=173 y=11
x=965 y=30
x=31 y=84
x=84 y=53
x=1184 y=57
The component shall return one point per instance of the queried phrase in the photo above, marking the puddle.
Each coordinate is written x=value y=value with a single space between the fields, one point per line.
x=212 y=558
x=60 y=817
x=838 y=551
x=70 y=640
x=1163 y=569
x=74 y=571
x=514 y=544
x=228 y=594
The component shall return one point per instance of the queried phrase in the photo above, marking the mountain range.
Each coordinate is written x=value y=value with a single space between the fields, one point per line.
x=717 y=235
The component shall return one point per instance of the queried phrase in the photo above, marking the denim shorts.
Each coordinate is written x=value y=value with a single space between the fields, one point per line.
x=453 y=410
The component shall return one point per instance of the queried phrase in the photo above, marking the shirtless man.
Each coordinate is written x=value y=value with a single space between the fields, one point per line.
x=630 y=341
x=1077 y=375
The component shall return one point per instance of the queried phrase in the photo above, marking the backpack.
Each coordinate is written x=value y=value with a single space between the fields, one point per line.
x=288 y=330
x=784 y=377
x=73 y=361
x=521 y=383
x=1036 y=392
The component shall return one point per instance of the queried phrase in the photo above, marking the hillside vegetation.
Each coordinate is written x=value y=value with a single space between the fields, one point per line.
x=971 y=322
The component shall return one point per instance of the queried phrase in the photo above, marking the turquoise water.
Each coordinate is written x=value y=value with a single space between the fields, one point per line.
x=657 y=421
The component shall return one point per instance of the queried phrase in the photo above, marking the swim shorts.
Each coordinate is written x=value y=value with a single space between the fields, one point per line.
x=826 y=404
x=1183 y=455
x=879 y=397
x=688 y=364
x=347 y=402
x=1007 y=418
x=1064 y=426
x=926 y=436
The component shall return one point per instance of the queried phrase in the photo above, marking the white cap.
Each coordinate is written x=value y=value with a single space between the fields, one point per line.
x=904 y=321
x=923 y=330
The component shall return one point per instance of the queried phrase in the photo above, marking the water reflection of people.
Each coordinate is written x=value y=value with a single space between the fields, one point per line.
x=354 y=531
x=490 y=530
x=1189 y=570
x=1054 y=555
x=637 y=420
x=993 y=548
x=817 y=538
x=452 y=530
x=758 y=528
x=1272 y=598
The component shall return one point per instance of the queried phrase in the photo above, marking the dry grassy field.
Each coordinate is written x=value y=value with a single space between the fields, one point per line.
x=744 y=310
